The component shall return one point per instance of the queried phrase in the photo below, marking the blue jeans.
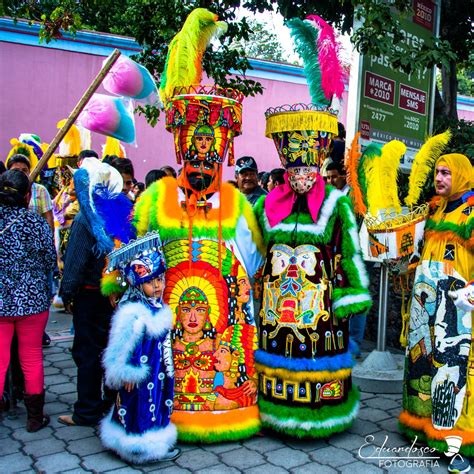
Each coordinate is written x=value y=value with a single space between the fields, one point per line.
x=357 y=329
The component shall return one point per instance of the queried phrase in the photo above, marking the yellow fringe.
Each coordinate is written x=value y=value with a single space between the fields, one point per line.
x=301 y=120
x=319 y=376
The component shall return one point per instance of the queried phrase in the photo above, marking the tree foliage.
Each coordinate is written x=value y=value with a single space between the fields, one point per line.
x=152 y=23
x=262 y=43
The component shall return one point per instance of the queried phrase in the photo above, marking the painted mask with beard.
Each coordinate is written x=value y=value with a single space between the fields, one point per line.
x=201 y=176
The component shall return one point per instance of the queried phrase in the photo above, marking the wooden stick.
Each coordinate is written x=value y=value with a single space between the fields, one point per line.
x=75 y=113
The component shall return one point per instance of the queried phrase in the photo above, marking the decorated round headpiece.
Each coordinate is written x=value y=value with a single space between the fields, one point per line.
x=192 y=296
x=302 y=133
x=140 y=260
x=203 y=119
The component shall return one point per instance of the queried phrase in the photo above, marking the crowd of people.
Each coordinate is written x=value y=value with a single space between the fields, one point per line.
x=30 y=257
x=205 y=310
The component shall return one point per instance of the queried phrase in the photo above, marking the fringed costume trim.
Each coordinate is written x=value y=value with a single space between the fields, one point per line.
x=160 y=203
x=220 y=426
x=320 y=376
x=307 y=422
x=412 y=425
x=330 y=363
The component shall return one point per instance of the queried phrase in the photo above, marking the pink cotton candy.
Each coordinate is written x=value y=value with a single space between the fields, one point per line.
x=332 y=72
x=130 y=79
x=109 y=116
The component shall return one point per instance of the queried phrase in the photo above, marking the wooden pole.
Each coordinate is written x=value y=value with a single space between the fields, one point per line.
x=75 y=113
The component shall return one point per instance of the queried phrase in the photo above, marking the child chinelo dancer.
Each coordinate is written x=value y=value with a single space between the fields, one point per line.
x=138 y=360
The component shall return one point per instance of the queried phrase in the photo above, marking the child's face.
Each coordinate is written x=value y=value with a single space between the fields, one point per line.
x=154 y=288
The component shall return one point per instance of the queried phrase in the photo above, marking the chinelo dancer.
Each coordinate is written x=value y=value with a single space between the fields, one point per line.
x=212 y=248
x=314 y=278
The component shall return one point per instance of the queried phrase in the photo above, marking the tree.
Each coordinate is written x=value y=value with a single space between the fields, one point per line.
x=380 y=33
x=262 y=43
x=152 y=23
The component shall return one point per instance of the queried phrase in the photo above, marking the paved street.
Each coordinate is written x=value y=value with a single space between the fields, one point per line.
x=58 y=448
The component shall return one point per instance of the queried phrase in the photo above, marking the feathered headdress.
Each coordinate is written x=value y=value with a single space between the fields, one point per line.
x=352 y=170
x=315 y=42
x=373 y=175
x=76 y=139
x=378 y=171
x=184 y=61
x=113 y=146
x=29 y=145
x=423 y=164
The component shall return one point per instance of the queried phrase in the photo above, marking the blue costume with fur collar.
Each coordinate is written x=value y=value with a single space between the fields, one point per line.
x=138 y=428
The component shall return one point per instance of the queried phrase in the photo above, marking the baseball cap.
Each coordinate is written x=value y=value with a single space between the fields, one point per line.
x=245 y=163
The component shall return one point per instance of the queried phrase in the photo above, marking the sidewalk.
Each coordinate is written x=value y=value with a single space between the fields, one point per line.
x=58 y=448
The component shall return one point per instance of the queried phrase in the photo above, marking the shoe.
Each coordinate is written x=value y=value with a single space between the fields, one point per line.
x=171 y=455
x=4 y=402
x=36 y=419
x=46 y=340
x=66 y=420
x=69 y=421
x=459 y=464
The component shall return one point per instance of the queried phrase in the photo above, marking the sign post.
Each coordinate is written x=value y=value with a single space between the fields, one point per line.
x=395 y=105
x=392 y=105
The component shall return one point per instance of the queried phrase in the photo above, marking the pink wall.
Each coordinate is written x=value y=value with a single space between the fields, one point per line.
x=40 y=86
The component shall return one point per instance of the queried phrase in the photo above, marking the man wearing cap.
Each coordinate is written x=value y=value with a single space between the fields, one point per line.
x=246 y=174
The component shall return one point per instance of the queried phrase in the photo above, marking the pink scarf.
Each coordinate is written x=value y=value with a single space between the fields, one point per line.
x=280 y=200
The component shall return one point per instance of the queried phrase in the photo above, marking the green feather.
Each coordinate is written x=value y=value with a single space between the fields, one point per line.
x=305 y=36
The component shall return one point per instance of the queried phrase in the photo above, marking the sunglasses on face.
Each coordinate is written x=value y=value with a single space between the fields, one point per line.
x=129 y=182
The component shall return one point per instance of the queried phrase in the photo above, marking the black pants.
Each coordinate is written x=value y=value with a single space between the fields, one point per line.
x=92 y=313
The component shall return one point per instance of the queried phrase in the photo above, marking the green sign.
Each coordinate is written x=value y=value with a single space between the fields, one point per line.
x=395 y=105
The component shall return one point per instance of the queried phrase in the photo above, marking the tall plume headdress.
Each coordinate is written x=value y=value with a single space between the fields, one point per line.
x=395 y=231
x=193 y=110
x=302 y=133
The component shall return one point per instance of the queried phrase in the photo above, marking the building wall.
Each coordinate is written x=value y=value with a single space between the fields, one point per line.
x=41 y=84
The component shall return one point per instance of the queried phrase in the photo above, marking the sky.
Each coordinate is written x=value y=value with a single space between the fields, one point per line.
x=275 y=20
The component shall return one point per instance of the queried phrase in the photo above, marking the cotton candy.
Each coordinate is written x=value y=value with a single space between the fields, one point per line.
x=130 y=79
x=111 y=116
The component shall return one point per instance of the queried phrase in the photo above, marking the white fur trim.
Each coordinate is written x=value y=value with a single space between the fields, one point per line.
x=152 y=445
x=356 y=259
x=350 y=299
x=326 y=211
x=311 y=425
x=129 y=324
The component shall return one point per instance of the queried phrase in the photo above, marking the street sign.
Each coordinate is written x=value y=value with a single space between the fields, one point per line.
x=393 y=104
